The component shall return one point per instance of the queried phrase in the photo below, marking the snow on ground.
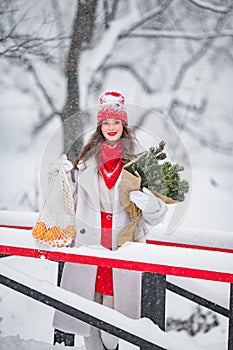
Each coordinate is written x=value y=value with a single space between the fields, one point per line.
x=16 y=343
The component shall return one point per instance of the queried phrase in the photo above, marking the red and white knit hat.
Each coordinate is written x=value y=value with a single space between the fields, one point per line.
x=112 y=107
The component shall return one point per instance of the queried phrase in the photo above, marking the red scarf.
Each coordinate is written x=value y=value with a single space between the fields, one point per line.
x=111 y=162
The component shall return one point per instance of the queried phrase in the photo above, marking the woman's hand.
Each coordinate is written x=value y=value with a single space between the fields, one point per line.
x=63 y=163
x=140 y=198
x=153 y=208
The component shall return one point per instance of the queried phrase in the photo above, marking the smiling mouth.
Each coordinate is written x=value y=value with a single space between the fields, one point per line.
x=112 y=133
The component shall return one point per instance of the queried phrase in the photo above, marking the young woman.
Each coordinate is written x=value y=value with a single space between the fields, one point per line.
x=100 y=217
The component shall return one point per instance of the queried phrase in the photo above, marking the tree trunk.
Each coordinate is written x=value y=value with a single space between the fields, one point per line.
x=82 y=33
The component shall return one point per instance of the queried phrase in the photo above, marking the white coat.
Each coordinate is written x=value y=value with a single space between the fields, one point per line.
x=79 y=278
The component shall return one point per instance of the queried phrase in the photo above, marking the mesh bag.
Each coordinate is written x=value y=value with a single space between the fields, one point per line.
x=56 y=222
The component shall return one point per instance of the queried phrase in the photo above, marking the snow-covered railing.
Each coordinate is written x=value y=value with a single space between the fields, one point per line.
x=169 y=260
x=156 y=261
x=142 y=332
x=16 y=219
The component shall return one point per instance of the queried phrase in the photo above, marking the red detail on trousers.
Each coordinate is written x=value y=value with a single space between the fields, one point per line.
x=104 y=282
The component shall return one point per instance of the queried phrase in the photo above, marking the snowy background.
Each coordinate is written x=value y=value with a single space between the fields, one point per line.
x=138 y=48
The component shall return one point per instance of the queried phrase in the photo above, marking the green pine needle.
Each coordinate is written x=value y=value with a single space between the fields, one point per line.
x=161 y=177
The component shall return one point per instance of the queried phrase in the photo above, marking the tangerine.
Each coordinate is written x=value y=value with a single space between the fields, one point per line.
x=39 y=230
x=70 y=231
x=53 y=233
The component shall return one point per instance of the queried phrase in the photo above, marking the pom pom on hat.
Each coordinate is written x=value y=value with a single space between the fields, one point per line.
x=112 y=107
x=112 y=97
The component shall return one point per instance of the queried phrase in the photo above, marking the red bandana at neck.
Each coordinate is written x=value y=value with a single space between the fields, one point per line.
x=111 y=163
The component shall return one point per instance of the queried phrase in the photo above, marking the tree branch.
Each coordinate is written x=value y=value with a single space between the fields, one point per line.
x=208 y=6
x=106 y=14
x=114 y=9
x=179 y=25
x=176 y=103
x=224 y=51
x=208 y=139
x=29 y=43
x=144 y=116
x=197 y=56
x=157 y=11
x=9 y=34
x=130 y=68
x=48 y=98
x=43 y=122
x=180 y=34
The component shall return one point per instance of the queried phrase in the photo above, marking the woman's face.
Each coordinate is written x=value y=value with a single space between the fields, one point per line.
x=112 y=130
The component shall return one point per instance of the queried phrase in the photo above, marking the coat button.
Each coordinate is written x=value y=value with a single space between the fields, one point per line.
x=82 y=231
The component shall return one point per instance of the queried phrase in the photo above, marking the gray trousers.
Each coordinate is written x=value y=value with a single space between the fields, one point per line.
x=97 y=338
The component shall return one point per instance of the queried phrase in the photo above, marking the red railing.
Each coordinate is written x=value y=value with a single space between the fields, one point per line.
x=220 y=261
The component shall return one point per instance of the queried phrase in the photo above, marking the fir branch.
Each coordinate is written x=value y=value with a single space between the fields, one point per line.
x=161 y=177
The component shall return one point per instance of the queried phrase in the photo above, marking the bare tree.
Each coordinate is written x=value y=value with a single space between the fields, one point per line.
x=24 y=42
x=82 y=35
x=25 y=48
x=202 y=29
